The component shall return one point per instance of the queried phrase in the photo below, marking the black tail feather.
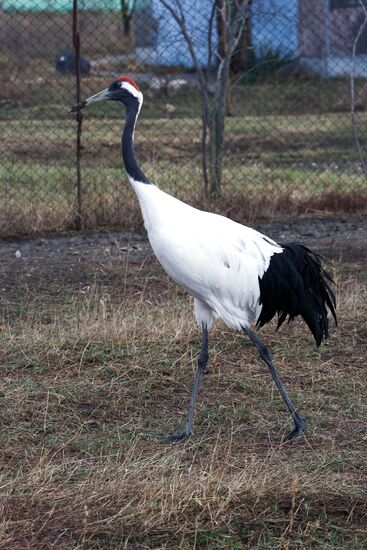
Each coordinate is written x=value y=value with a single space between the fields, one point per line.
x=295 y=283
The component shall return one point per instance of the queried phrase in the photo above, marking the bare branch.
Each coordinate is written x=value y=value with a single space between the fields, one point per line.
x=179 y=17
x=210 y=31
x=352 y=89
x=232 y=15
x=243 y=11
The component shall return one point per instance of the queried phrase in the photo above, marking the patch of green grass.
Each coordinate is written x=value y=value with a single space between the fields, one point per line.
x=266 y=97
x=301 y=161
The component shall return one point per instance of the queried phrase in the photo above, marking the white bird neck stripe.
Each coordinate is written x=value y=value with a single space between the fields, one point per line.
x=133 y=91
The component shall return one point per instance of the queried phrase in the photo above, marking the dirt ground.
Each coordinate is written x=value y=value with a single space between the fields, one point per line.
x=97 y=355
x=75 y=258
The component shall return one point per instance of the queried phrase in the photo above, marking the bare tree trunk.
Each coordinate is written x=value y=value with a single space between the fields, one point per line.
x=231 y=19
x=243 y=55
x=221 y=19
x=230 y=16
x=204 y=137
x=352 y=90
x=216 y=121
x=126 y=17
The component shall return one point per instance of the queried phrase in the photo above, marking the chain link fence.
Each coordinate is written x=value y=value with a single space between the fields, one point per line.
x=295 y=116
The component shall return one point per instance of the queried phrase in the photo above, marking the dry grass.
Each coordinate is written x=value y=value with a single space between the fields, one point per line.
x=92 y=373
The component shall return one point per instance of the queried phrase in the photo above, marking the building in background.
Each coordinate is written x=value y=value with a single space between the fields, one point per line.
x=317 y=34
x=274 y=26
x=327 y=32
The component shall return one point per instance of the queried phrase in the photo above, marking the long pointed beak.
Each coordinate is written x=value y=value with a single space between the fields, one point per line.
x=101 y=96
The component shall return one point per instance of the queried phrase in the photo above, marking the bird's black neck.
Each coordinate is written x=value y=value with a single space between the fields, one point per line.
x=128 y=153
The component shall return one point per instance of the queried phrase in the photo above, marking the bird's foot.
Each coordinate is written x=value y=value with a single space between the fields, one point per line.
x=176 y=438
x=295 y=435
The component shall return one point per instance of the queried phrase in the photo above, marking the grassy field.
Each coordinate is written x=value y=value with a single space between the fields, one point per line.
x=289 y=145
x=97 y=359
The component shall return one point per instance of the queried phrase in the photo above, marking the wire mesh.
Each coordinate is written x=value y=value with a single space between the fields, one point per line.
x=295 y=116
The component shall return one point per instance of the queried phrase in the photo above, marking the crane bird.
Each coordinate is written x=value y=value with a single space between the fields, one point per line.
x=233 y=272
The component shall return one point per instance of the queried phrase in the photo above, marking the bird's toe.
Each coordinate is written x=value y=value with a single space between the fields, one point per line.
x=176 y=438
x=293 y=436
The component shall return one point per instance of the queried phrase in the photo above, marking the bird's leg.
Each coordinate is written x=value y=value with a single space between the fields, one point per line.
x=299 y=423
x=202 y=361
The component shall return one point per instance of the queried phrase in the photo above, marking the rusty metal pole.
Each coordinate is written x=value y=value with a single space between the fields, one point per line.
x=78 y=117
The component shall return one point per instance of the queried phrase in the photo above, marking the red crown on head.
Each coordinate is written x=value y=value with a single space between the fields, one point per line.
x=129 y=80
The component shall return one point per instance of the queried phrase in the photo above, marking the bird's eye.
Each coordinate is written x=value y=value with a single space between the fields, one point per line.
x=115 y=85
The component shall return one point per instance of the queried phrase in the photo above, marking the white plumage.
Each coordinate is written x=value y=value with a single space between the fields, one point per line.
x=215 y=259
x=234 y=272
